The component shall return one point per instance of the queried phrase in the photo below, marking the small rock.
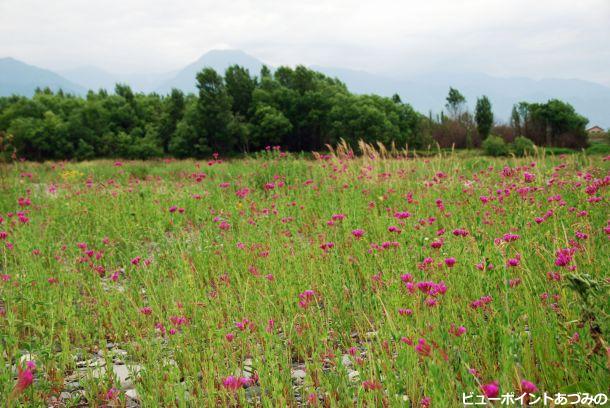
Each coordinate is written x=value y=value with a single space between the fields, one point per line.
x=370 y=335
x=298 y=366
x=118 y=356
x=65 y=396
x=79 y=396
x=122 y=373
x=28 y=357
x=253 y=392
x=247 y=370
x=133 y=394
x=79 y=356
x=248 y=367
x=130 y=403
x=98 y=372
x=71 y=385
x=94 y=362
x=170 y=362
x=298 y=375
x=243 y=373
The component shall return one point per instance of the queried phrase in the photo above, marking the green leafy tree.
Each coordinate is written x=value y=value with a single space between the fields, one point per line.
x=265 y=72
x=304 y=80
x=283 y=75
x=240 y=87
x=55 y=131
x=241 y=130
x=180 y=146
x=29 y=137
x=362 y=117
x=270 y=125
x=484 y=117
x=185 y=140
x=125 y=91
x=455 y=102
x=214 y=113
x=173 y=110
x=556 y=123
x=145 y=144
x=515 y=120
x=84 y=151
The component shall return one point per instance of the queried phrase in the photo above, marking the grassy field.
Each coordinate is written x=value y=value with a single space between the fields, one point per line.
x=279 y=281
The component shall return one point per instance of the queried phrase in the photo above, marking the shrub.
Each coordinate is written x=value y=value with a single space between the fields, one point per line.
x=559 y=150
x=144 y=148
x=7 y=151
x=598 y=148
x=495 y=146
x=523 y=146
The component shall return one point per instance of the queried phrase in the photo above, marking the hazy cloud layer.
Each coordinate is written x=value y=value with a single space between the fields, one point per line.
x=542 y=38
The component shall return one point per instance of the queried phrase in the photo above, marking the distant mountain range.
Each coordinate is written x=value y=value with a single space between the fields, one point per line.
x=424 y=92
x=428 y=92
x=19 y=78
x=95 y=78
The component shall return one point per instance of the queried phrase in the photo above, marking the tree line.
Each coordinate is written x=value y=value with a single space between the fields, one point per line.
x=553 y=123
x=298 y=109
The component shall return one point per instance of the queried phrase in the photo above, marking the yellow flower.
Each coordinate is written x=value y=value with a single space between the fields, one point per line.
x=71 y=174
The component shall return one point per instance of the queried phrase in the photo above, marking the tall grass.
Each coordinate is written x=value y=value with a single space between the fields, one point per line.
x=222 y=254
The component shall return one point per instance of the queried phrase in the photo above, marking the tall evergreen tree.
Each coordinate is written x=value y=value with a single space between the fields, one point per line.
x=515 y=121
x=173 y=112
x=484 y=116
x=214 y=113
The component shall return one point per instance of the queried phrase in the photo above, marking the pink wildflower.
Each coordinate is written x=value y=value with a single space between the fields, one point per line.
x=528 y=387
x=491 y=390
x=233 y=383
x=358 y=233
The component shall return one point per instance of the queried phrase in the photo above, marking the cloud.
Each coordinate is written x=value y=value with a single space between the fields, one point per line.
x=544 y=38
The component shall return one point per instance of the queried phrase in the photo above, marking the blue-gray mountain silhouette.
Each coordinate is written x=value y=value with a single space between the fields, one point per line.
x=19 y=78
x=425 y=92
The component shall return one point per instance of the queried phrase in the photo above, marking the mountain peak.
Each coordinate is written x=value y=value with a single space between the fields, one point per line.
x=11 y=60
x=219 y=60
x=225 y=52
x=223 y=58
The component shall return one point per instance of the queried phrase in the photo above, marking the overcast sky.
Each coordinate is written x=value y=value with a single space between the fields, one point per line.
x=534 y=38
